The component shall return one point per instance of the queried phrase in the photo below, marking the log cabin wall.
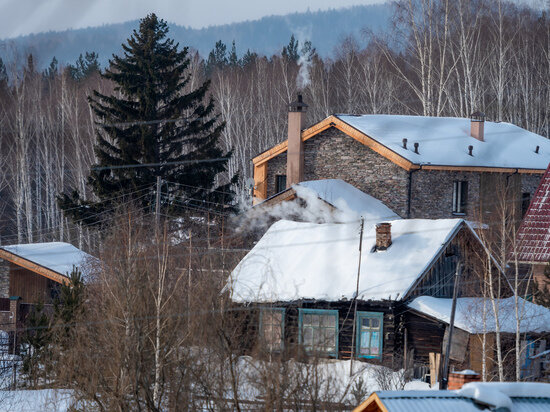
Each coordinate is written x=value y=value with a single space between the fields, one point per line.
x=424 y=335
x=31 y=287
x=390 y=351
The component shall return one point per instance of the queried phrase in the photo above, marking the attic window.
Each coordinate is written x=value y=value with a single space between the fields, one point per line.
x=272 y=327
x=280 y=183
x=460 y=197
x=319 y=331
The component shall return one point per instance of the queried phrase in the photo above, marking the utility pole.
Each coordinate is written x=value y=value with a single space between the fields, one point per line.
x=356 y=296
x=445 y=374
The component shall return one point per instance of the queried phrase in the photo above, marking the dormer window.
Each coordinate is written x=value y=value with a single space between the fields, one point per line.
x=460 y=197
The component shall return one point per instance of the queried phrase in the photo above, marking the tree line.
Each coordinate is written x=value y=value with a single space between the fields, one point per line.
x=443 y=58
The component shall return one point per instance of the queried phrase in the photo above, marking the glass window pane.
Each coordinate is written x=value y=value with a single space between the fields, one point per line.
x=375 y=323
x=308 y=336
x=307 y=319
x=365 y=322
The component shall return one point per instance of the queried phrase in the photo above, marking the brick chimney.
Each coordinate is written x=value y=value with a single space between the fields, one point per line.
x=477 y=123
x=383 y=236
x=458 y=379
x=295 y=153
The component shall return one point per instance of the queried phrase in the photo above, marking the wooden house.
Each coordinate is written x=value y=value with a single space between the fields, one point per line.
x=420 y=167
x=302 y=279
x=31 y=274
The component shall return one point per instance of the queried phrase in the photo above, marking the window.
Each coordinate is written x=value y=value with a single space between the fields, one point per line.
x=272 y=328
x=319 y=330
x=460 y=197
x=369 y=334
x=280 y=183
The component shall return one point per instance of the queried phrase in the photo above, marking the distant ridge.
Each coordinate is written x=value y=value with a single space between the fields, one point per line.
x=265 y=36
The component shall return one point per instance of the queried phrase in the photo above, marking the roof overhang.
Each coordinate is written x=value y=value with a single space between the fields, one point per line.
x=33 y=267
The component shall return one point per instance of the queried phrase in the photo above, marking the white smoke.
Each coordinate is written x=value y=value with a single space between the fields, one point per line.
x=304 y=62
x=307 y=207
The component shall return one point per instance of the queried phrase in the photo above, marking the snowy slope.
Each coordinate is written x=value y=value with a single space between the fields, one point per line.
x=469 y=314
x=57 y=256
x=445 y=141
x=347 y=198
x=296 y=260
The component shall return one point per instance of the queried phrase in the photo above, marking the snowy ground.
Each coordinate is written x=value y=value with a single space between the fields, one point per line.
x=46 y=400
x=335 y=374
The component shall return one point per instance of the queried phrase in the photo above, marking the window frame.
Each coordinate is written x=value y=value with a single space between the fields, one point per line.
x=332 y=312
x=360 y=316
x=262 y=340
x=277 y=185
x=460 y=197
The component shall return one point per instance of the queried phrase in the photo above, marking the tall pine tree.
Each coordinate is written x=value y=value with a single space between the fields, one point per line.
x=152 y=127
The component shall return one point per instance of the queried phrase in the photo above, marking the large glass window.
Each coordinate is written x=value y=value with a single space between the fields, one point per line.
x=272 y=328
x=369 y=334
x=319 y=330
x=460 y=197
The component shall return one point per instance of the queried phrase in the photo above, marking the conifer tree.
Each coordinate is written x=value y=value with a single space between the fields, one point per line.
x=151 y=126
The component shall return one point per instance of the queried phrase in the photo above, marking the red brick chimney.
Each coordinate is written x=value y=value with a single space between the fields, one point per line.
x=383 y=236
x=477 y=123
x=458 y=379
x=295 y=153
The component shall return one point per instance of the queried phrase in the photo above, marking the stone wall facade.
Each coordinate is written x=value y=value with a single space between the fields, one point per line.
x=334 y=155
x=4 y=279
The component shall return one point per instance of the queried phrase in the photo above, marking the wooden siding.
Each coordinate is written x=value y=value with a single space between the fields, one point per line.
x=31 y=287
x=424 y=335
x=345 y=326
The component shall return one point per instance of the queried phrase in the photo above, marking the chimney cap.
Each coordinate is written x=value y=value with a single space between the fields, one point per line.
x=477 y=116
x=298 y=105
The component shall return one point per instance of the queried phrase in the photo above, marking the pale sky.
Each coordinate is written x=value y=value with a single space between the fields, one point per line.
x=19 y=17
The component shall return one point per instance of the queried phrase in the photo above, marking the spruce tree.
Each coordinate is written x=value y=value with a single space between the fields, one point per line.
x=152 y=126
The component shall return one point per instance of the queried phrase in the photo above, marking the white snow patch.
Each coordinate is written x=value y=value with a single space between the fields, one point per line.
x=533 y=318
x=445 y=141
x=348 y=199
x=499 y=394
x=57 y=256
x=45 y=400
x=297 y=260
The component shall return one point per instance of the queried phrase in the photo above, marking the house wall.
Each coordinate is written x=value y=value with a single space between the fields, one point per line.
x=31 y=287
x=345 y=327
x=4 y=279
x=334 y=155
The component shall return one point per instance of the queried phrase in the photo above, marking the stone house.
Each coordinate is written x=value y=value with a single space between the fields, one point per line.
x=420 y=167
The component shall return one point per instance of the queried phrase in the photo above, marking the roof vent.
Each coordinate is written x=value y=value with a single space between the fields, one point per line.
x=470 y=149
x=405 y=143
x=537 y=149
x=383 y=236
x=416 y=147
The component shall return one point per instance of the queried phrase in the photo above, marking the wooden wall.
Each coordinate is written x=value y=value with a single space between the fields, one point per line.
x=32 y=288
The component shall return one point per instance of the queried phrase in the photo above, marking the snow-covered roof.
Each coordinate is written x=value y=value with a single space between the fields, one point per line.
x=444 y=141
x=533 y=236
x=297 y=260
x=347 y=198
x=469 y=314
x=472 y=397
x=56 y=256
